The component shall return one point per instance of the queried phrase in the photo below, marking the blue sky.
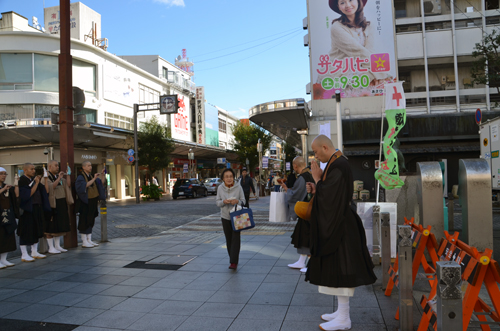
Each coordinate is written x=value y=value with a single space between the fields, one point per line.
x=269 y=61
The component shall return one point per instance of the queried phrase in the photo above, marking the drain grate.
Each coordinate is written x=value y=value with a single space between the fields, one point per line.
x=163 y=262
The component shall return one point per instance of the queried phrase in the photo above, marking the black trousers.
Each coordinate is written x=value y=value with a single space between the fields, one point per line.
x=233 y=241
x=247 y=199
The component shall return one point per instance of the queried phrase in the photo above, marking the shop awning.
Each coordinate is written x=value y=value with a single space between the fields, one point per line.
x=282 y=118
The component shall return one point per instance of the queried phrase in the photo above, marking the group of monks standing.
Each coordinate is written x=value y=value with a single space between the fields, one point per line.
x=41 y=203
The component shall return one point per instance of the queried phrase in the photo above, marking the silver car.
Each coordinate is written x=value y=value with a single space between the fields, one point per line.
x=212 y=184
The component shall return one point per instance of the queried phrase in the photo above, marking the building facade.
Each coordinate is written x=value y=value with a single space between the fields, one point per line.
x=111 y=84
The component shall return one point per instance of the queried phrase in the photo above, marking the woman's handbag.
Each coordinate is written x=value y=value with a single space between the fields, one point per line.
x=242 y=219
x=304 y=209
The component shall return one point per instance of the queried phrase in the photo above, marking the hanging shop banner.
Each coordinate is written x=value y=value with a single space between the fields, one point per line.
x=265 y=162
x=180 y=121
x=200 y=115
x=352 y=47
x=395 y=113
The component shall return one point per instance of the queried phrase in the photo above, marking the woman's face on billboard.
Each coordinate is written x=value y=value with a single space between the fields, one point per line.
x=348 y=7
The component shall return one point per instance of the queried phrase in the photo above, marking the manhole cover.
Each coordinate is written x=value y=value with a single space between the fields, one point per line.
x=130 y=226
x=163 y=262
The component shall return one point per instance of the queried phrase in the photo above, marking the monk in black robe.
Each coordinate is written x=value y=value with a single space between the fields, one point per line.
x=9 y=211
x=340 y=260
x=300 y=235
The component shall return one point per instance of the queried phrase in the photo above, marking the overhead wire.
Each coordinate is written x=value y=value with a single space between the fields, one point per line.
x=251 y=55
x=246 y=43
x=245 y=49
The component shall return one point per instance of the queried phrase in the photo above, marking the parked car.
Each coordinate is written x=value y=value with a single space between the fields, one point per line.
x=212 y=184
x=189 y=188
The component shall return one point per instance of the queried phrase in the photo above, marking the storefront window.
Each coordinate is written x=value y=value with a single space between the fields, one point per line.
x=16 y=71
x=14 y=112
x=46 y=73
x=44 y=111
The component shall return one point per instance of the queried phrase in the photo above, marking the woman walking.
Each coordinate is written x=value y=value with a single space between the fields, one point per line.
x=230 y=194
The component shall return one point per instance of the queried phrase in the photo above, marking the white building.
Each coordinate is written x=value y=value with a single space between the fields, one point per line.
x=112 y=84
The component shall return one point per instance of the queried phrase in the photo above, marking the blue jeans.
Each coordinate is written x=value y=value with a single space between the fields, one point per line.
x=277 y=188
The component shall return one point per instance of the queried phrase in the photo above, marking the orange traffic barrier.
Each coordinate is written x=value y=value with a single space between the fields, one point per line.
x=423 y=240
x=478 y=269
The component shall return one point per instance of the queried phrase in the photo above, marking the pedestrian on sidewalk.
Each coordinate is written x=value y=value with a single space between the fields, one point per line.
x=246 y=183
x=339 y=257
x=89 y=190
x=300 y=236
x=9 y=211
x=59 y=191
x=230 y=194
x=277 y=182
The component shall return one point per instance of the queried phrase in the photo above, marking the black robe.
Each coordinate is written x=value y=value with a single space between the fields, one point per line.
x=301 y=234
x=339 y=256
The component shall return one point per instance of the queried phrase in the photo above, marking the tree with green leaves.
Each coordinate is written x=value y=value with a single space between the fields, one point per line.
x=290 y=152
x=155 y=145
x=245 y=142
x=486 y=67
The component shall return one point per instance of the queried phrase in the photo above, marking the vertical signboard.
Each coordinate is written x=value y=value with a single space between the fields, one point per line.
x=52 y=19
x=200 y=115
x=180 y=122
x=352 y=47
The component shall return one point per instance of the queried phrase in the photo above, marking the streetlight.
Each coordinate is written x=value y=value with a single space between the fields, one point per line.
x=259 y=149
x=191 y=162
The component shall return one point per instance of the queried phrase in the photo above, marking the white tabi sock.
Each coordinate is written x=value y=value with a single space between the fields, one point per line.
x=34 y=252
x=3 y=260
x=342 y=320
x=85 y=242
x=25 y=257
x=52 y=250
x=89 y=239
x=301 y=263
x=57 y=244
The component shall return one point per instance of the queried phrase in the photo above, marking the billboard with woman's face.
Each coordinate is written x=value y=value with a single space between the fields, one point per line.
x=352 y=47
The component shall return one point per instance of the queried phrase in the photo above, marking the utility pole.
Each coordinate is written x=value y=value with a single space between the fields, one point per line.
x=66 y=109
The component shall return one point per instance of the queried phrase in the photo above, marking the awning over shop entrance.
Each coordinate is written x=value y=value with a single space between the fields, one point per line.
x=282 y=118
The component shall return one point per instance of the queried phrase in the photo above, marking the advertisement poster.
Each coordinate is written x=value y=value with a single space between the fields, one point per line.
x=211 y=125
x=180 y=122
x=352 y=47
x=52 y=19
x=119 y=85
x=200 y=115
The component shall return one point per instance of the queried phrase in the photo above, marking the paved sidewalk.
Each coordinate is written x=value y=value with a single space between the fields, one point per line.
x=91 y=290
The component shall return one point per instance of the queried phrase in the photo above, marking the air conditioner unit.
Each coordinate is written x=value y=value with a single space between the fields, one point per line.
x=432 y=7
x=443 y=80
x=450 y=79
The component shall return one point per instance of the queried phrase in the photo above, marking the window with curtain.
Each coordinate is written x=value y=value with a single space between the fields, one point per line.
x=16 y=71
x=46 y=73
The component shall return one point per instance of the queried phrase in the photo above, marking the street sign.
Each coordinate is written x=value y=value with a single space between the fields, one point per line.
x=479 y=116
x=221 y=160
x=169 y=104
x=265 y=162
x=185 y=168
x=130 y=152
x=288 y=166
x=131 y=159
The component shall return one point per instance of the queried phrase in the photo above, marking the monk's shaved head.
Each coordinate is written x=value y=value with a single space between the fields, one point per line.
x=323 y=140
x=323 y=148
x=299 y=161
x=27 y=166
x=52 y=162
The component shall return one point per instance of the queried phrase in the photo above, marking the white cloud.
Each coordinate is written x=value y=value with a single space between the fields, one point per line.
x=179 y=3
x=210 y=126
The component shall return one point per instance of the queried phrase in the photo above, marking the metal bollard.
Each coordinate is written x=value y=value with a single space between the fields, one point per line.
x=104 y=221
x=451 y=211
x=405 y=278
x=386 y=248
x=376 y=241
x=449 y=296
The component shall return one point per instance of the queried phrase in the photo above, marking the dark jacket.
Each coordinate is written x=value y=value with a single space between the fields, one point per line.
x=25 y=198
x=81 y=189
x=247 y=184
